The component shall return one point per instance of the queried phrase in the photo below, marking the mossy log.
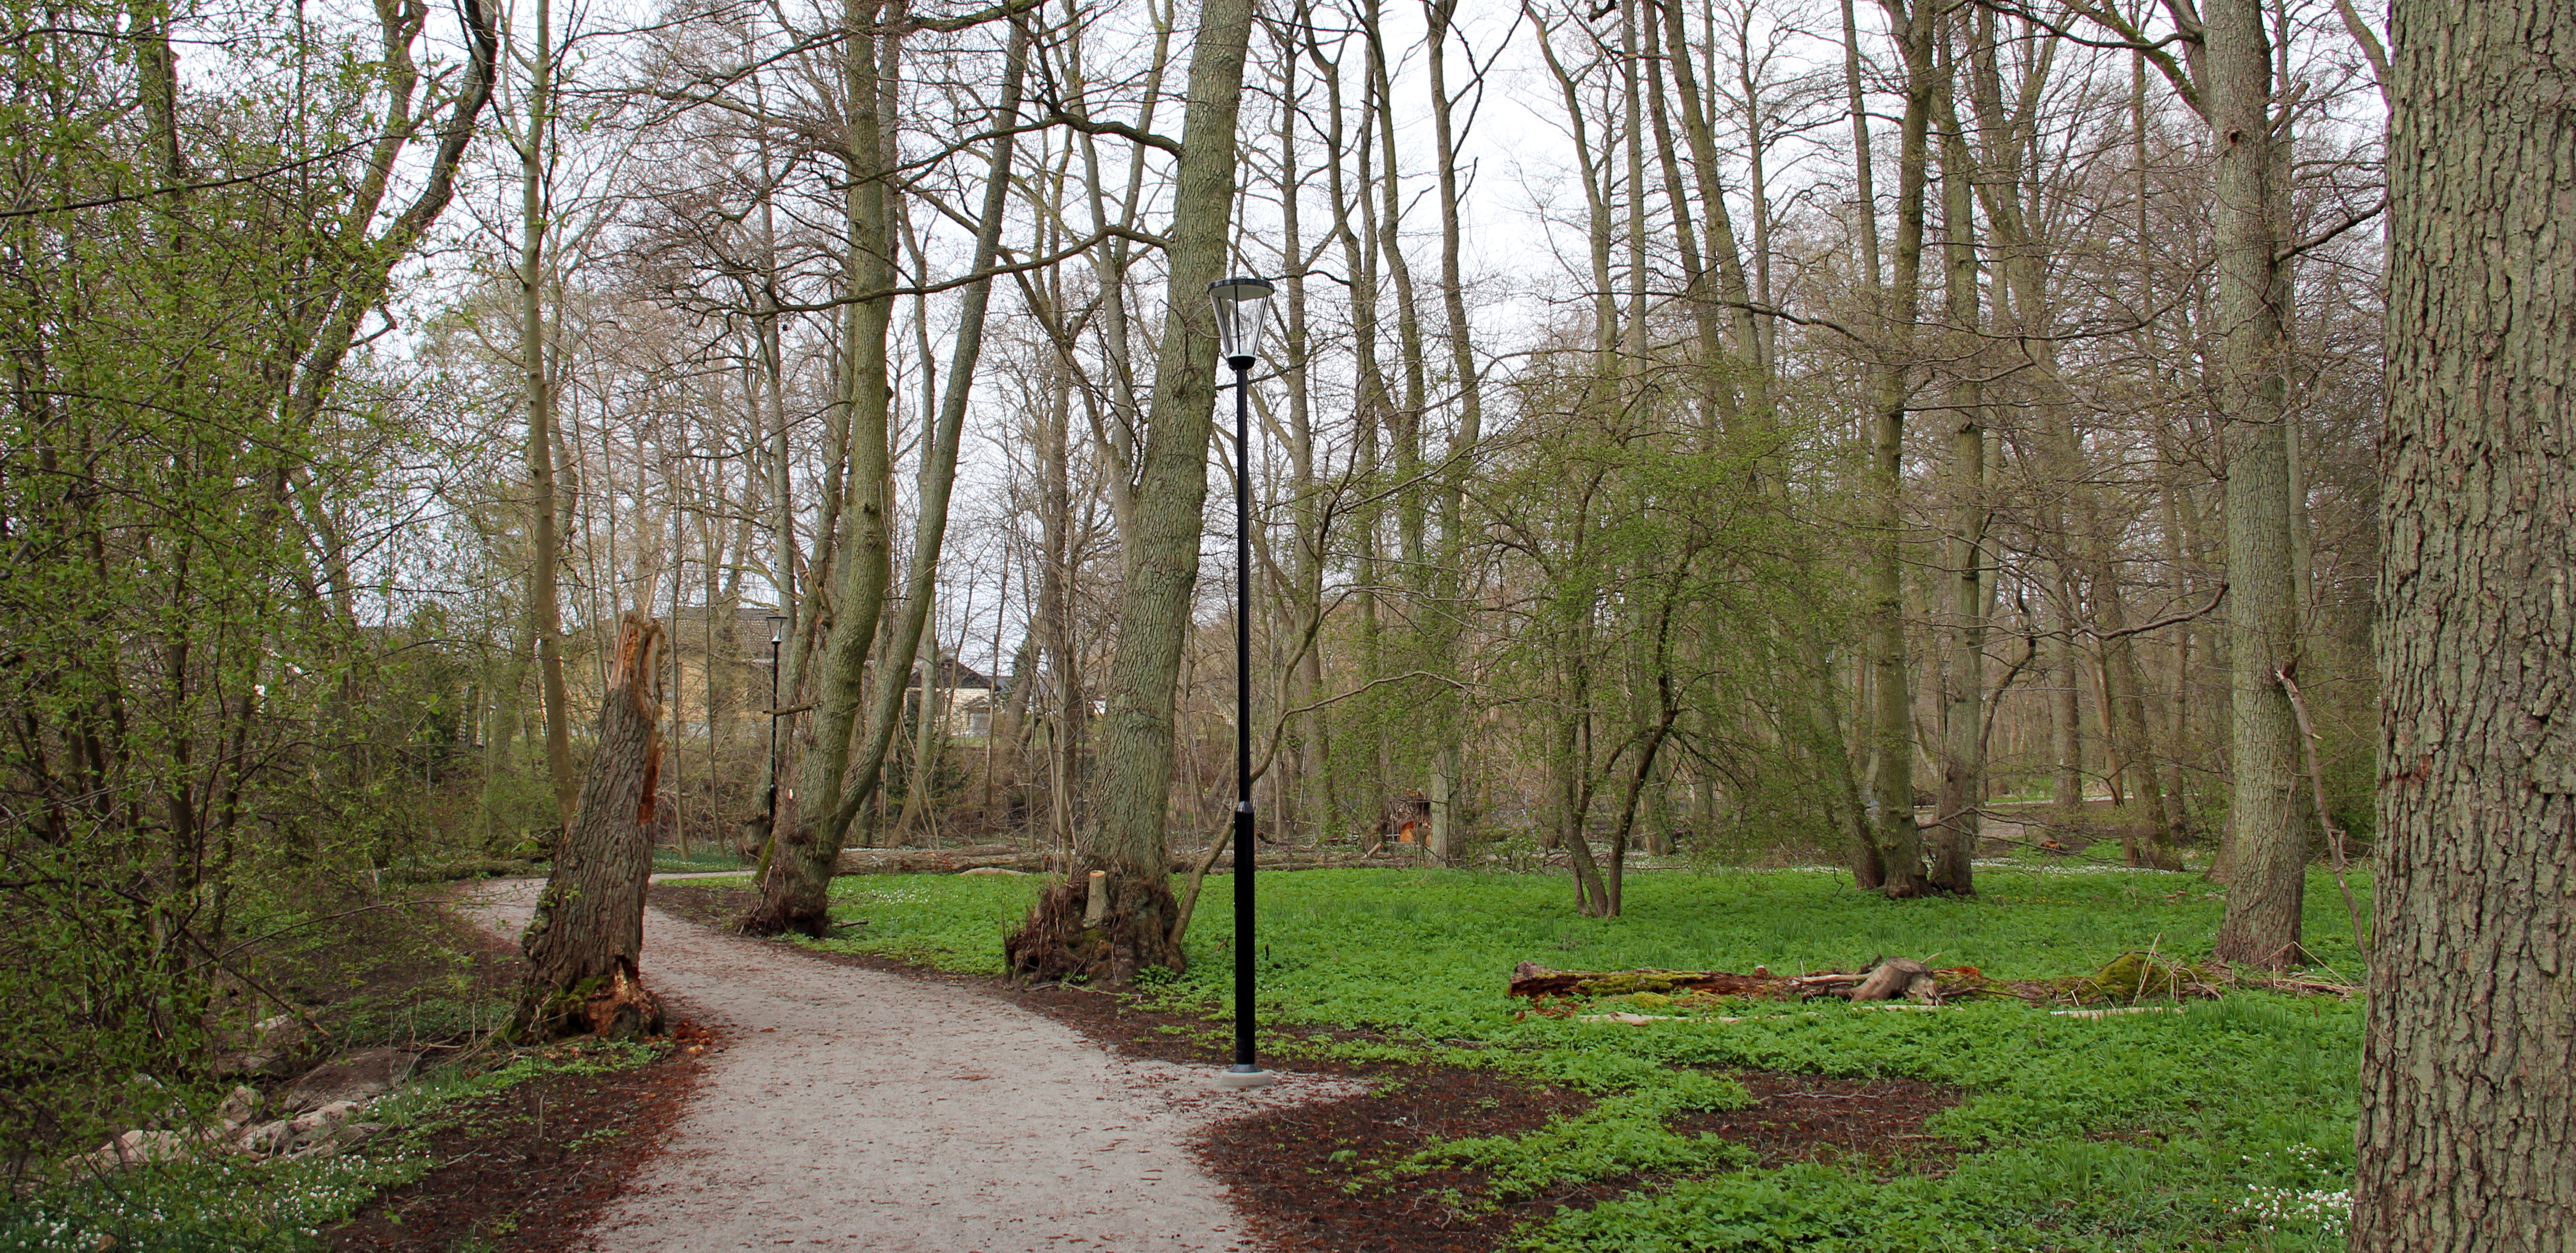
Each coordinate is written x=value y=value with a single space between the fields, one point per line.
x=1886 y=980
x=2130 y=979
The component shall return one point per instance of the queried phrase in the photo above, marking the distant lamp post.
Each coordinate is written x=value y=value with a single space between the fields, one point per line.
x=777 y=634
x=1242 y=309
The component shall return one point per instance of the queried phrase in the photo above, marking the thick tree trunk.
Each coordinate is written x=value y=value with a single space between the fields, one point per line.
x=2271 y=844
x=584 y=942
x=2468 y=1107
x=1162 y=564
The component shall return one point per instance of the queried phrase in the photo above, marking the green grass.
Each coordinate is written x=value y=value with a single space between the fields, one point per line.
x=2227 y=1125
x=699 y=861
x=951 y=922
x=1621 y=1134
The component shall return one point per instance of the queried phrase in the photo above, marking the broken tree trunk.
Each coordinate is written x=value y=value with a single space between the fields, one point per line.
x=588 y=932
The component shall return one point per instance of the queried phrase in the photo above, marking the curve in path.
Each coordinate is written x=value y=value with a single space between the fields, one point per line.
x=853 y=1109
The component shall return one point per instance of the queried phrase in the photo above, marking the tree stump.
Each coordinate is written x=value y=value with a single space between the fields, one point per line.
x=1067 y=936
x=584 y=942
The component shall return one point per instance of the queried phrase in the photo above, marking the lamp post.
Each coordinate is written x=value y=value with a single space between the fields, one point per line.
x=777 y=633
x=1242 y=307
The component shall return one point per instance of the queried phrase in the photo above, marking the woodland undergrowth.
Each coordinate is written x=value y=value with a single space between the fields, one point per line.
x=2215 y=1124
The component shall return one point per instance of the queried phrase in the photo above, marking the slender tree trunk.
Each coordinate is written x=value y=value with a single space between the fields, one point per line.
x=2066 y=706
x=1447 y=613
x=2468 y=1102
x=928 y=734
x=1053 y=630
x=537 y=368
x=1962 y=744
x=1574 y=783
x=1866 y=210
x=1749 y=385
x=1162 y=564
x=2264 y=900
x=1716 y=398
x=504 y=705
x=796 y=874
x=1892 y=712
x=1371 y=418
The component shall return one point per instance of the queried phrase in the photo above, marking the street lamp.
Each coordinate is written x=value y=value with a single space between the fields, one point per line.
x=1242 y=308
x=777 y=633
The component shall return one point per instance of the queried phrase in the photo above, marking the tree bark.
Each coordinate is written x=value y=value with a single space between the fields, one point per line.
x=2265 y=899
x=1445 y=708
x=1900 y=841
x=537 y=371
x=584 y=944
x=796 y=873
x=1162 y=563
x=2468 y=1107
x=1962 y=790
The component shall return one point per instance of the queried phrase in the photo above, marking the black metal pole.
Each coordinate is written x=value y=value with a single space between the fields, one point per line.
x=773 y=730
x=1243 y=854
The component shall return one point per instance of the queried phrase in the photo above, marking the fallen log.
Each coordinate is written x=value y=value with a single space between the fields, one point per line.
x=2130 y=979
x=1885 y=980
x=1006 y=857
x=1225 y=864
x=1897 y=977
x=1534 y=980
x=936 y=860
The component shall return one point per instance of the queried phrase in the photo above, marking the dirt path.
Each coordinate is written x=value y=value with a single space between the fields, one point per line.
x=856 y=1109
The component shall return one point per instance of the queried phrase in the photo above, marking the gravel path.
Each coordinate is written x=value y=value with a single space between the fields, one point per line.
x=853 y=1109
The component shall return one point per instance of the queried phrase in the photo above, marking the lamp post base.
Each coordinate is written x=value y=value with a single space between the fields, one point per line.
x=1246 y=1077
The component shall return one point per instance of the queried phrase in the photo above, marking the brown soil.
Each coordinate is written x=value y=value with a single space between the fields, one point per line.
x=524 y=1170
x=1307 y=1179
x=1304 y=1176
x=1874 y=1125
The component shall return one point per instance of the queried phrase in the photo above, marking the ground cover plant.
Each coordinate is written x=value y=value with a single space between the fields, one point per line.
x=2223 y=1123
x=409 y=974
x=225 y=1203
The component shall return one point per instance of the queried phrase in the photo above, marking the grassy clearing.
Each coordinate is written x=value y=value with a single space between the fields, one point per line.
x=2227 y=1124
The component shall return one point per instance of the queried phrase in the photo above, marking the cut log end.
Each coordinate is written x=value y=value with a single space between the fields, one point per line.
x=1894 y=977
x=1095 y=907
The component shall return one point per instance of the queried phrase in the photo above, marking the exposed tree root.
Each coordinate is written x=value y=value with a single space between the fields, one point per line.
x=614 y=1007
x=1056 y=944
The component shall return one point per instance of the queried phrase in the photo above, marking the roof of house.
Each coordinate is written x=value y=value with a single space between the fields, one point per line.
x=957 y=674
